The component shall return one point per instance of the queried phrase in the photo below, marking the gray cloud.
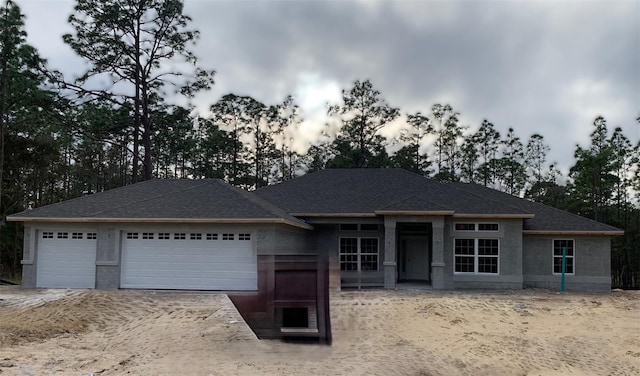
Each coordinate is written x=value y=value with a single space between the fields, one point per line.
x=542 y=67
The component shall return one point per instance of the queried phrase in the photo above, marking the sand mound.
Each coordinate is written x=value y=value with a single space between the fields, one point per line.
x=377 y=332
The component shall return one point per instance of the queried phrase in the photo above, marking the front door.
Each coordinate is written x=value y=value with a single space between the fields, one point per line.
x=414 y=258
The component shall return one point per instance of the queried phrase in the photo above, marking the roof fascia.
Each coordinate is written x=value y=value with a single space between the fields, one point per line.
x=163 y=220
x=333 y=214
x=517 y=216
x=414 y=212
x=550 y=232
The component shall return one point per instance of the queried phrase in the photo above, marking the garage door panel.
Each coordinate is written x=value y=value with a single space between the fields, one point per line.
x=66 y=262
x=188 y=264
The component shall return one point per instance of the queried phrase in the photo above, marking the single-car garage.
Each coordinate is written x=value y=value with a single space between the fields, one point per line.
x=66 y=259
x=207 y=260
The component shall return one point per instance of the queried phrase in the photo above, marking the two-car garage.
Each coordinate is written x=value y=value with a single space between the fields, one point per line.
x=207 y=260
x=151 y=259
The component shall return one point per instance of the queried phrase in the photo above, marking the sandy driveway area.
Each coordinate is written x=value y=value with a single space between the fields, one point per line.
x=376 y=332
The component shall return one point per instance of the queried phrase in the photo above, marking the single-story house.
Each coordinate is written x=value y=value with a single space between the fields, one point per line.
x=376 y=227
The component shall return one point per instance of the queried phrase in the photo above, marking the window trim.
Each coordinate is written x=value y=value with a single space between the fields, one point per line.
x=476 y=227
x=553 y=256
x=359 y=253
x=476 y=256
x=359 y=227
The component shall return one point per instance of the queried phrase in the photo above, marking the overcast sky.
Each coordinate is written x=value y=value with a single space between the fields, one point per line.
x=537 y=66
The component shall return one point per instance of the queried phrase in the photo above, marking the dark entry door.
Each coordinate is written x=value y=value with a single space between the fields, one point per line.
x=415 y=259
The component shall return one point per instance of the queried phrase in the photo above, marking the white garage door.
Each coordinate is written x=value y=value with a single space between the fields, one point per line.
x=66 y=259
x=189 y=261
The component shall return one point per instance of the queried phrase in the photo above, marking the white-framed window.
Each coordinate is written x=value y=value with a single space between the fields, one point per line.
x=63 y=235
x=92 y=235
x=195 y=236
x=132 y=235
x=77 y=235
x=228 y=236
x=47 y=235
x=477 y=227
x=179 y=236
x=359 y=227
x=164 y=236
x=359 y=254
x=148 y=235
x=244 y=236
x=476 y=256
x=558 y=244
x=212 y=236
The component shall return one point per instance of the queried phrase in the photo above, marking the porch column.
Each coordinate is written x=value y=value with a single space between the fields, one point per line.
x=389 y=253
x=437 y=262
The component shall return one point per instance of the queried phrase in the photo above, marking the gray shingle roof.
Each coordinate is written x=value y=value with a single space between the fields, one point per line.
x=366 y=191
x=209 y=199
x=546 y=218
x=361 y=191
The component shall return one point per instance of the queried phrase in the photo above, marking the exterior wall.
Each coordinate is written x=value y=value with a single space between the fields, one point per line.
x=510 y=271
x=28 y=257
x=592 y=263
x=108 y=258
x=325 y=240
x=282 y=240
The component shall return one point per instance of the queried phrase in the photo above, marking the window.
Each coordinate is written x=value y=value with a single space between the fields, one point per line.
x=92 y=235
x=465 y=226
x=63 y=235
x=369 y=227
x=485 y=227
x=558 y=244
x=244 y=236
x=179 y=236
x=358 y=254
x=478 y=256
x=348 y=227
x=47 y=235
x=195 y=236
x=147 y=235
x=132 y=235
x=228 y=236
x=488 y=227
x=359 y=227
x=212 y=236
x=77 y=235
x=164 y=236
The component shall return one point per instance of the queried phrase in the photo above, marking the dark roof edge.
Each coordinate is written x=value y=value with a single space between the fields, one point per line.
x=296 y=223
x=573 y=232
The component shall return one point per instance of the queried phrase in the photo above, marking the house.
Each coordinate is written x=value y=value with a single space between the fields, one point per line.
x=376 y=227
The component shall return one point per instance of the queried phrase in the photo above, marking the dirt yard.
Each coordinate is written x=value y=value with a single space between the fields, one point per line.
x=530 y=332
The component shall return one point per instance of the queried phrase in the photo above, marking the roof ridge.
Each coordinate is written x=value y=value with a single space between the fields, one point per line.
x=148 y=198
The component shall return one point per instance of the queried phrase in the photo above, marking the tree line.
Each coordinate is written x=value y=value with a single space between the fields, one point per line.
x=62 y=138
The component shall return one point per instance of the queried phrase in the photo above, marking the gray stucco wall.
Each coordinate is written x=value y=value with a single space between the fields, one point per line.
x=592 y=263
x=28 y=257
x=283 y=240
x=510 y=270
x=108 y=258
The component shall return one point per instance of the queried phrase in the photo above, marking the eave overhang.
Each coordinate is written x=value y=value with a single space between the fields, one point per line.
x=415 y=212
x=583 y=233
x=504 y=216
x=164 y=220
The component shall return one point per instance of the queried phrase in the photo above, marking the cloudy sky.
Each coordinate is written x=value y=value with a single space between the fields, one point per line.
x=537 y=66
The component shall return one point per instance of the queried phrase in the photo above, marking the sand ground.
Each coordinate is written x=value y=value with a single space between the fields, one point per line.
x=376 y=332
